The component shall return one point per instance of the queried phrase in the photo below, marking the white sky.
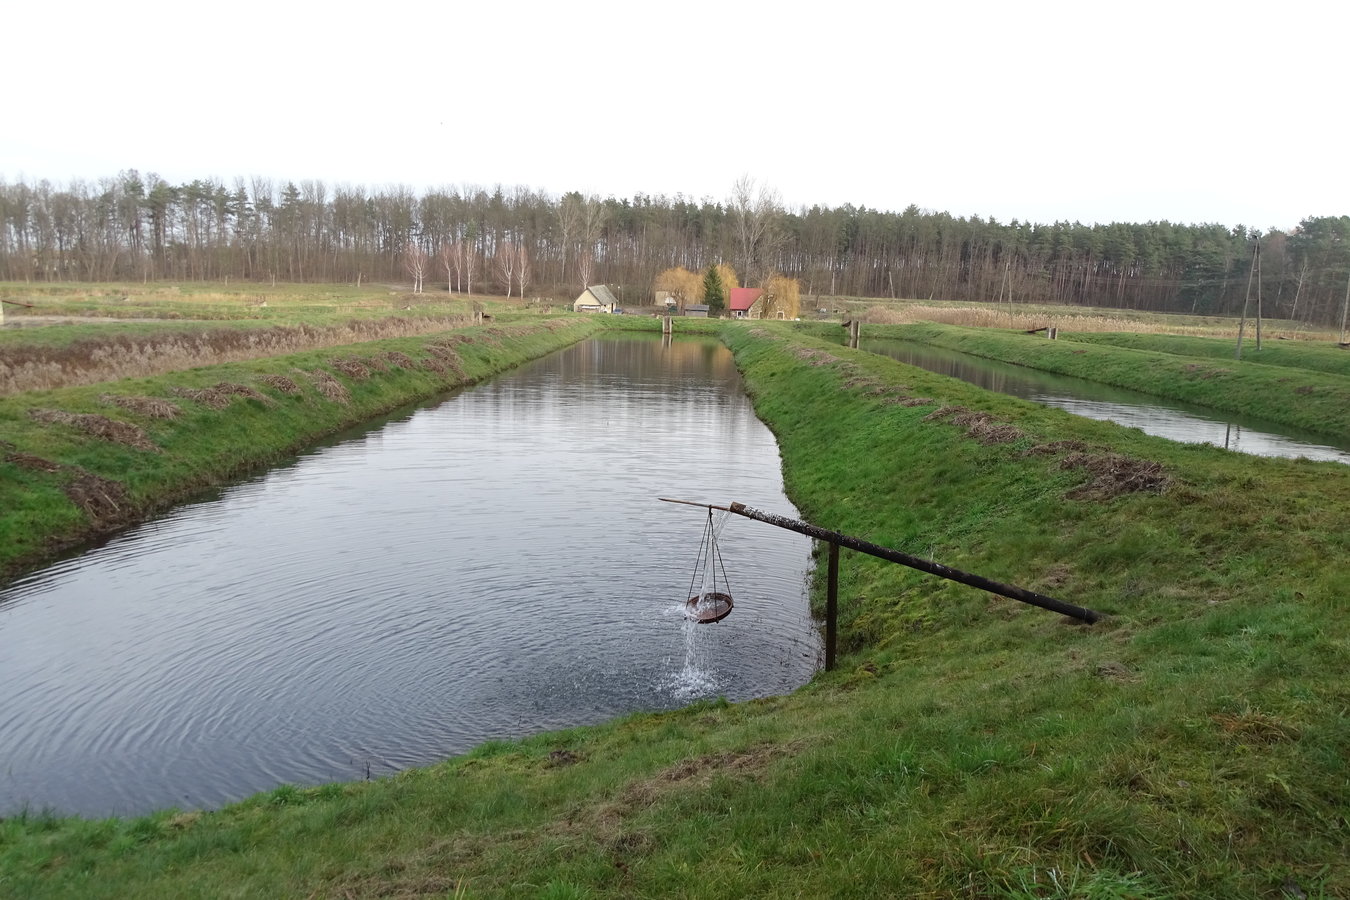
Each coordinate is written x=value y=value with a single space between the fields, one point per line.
x=1189 y=110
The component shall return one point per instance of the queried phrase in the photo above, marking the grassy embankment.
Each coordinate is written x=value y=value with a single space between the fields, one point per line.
x=1025 y=316
x=1193 y=744
x=124 y=331
x=1317 y=357
x=81 y=461
x=1316 y=401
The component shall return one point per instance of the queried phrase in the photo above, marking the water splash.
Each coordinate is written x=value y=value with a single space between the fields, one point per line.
x=696 y=680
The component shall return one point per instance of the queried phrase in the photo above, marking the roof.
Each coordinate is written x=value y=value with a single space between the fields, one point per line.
x=696 y=307
x=601 y=293
x=743 y=298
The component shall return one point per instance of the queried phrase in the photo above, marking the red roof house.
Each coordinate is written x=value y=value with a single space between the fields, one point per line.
x=746 y=303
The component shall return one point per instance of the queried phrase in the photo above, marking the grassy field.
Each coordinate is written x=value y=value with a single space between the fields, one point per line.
x=1193 y=744
x=220 y=301
x=1300 y=397
x=1025 y=316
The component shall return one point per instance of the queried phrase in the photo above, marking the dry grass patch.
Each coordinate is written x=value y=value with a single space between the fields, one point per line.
x=994 y=432
x=103 y=500
x=981 y=426
x=101 y=427
x=221 y=395
x=327 y=385
x=1055 y=447
x=1255 y=727
x=814 y=357
x=990 y=317
x=151 y=407
x=32 y=463
x=280 y=383
x=447 y=358
x=351 y=367
x=1113 y=475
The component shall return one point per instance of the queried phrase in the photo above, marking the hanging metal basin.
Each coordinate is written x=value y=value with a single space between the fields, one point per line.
x=712 y=606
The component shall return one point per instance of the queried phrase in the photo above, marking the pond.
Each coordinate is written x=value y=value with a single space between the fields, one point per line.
x=1172 y=419
x=490 y=565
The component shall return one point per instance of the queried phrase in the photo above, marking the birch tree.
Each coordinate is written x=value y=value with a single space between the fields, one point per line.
x=415 y=263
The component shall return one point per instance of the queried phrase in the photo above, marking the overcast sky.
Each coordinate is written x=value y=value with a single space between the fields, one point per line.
x=1229 y=112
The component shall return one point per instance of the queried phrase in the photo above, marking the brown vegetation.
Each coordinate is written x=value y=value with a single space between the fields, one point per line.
x=280 y=383
x=29 y=367
x=1113 y=474
x=151 y=407
x=100 y=427
x=992 y=317
x=221 y=395
x=329 y=386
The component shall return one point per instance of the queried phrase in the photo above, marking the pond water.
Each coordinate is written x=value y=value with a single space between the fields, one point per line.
x=491 y=565
x=1167 y=418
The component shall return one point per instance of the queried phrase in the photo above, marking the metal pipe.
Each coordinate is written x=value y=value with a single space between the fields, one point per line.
x=1012 y=592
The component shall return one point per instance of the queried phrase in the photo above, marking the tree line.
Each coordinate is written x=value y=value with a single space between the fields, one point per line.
x=522 y=241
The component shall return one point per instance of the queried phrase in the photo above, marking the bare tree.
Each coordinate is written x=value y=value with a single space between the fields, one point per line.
x=755 y=215
x=415 y=262
x=593 y=216
x=470 y=264
x=505 y=260
x=450 y=260
x=569 y=224
x=585 y=267
x=523 y=272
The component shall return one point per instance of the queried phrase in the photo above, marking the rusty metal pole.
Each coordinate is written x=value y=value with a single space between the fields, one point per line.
x=1010 y=591
x=831 y=606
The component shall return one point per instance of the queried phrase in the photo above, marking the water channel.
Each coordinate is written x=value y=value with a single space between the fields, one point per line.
x=1154 y=415
x=489 y=565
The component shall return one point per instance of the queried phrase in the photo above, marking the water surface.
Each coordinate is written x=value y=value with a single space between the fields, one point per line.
x=1172 y=419
x=492 y=565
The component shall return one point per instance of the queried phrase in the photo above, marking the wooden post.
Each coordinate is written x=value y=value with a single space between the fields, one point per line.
x=666 y=326
x=831 y=606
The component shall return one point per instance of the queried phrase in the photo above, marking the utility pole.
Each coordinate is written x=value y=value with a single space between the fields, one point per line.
x=1258 y=295
x=1242 y=324
x=1345 y=307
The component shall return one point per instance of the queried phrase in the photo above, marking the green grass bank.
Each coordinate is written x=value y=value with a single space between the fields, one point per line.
x=1319 y=356
x=1193 y=744
x=80 y=462
x=1313 y=400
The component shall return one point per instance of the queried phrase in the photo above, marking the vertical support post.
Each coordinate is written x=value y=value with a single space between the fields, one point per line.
x=831 y=606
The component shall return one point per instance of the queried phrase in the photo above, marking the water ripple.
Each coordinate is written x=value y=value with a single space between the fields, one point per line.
x=486 y=567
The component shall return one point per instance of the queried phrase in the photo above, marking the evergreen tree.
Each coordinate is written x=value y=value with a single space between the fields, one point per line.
x=714 y=292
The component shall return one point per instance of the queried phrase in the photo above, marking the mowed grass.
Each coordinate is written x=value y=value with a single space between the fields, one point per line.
x=1193 y=744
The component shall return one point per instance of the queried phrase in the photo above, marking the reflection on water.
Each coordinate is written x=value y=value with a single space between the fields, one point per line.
x=1153 y=415
x=493 y=565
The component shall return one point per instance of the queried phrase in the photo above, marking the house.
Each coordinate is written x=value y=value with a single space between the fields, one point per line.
x=595 y=298
x=697 y=310
x=746 y=303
